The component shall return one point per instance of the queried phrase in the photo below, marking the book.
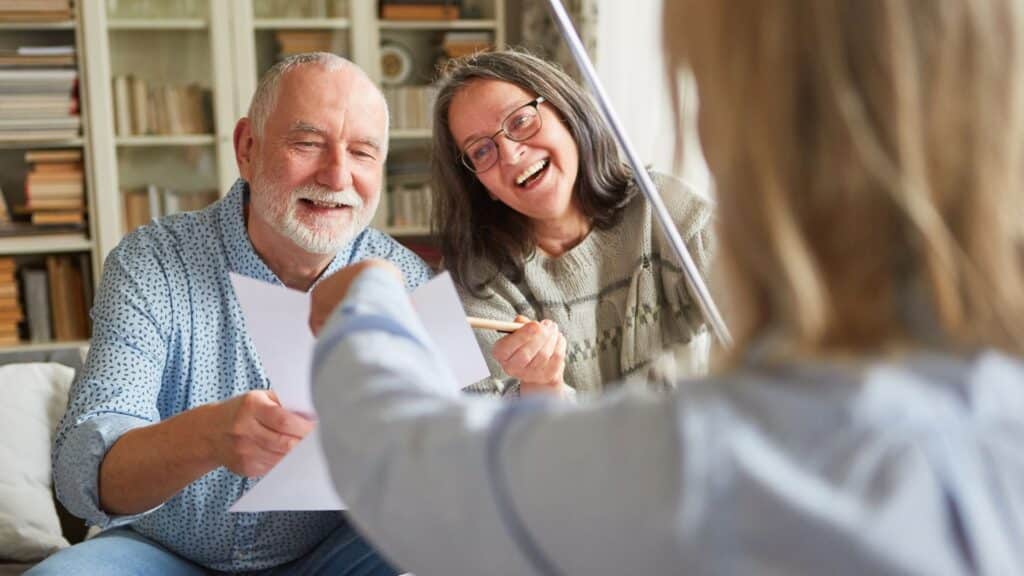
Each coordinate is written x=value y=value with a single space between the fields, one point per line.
x=67 y=302
x=418 y=12
x=136 y=209
x=37 y=304
x=43 y=156
x=58 y=217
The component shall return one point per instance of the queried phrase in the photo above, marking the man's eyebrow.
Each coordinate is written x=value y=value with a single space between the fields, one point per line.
x=301 y=126
x=371 y=142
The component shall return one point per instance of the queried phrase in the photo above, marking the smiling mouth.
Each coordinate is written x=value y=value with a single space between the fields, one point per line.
x=324 y=205
x=532 y=173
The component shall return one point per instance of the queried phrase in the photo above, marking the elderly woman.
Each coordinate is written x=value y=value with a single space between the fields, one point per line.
x=539 y=218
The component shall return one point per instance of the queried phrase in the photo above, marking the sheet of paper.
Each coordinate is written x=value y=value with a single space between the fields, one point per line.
x=300 y=481
x=442 y=314
x=276 y=322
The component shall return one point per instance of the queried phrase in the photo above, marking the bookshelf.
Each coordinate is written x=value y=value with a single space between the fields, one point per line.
x=46 y=175
x=160 y=84
x=356 y=29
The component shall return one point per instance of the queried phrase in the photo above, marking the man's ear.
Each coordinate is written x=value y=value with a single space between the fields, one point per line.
x=245 y=144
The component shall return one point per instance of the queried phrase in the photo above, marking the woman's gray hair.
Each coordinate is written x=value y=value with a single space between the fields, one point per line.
x=265 y=98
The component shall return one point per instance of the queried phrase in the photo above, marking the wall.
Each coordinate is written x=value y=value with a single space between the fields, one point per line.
x=630 y=64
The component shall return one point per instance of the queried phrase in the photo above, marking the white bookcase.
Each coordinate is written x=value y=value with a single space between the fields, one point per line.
x=142 y=63
x=28 y=248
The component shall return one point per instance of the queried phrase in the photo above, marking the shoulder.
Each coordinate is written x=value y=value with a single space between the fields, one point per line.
x=372 y=243
x=691 y=210
x=496 y=299
x=163 y=238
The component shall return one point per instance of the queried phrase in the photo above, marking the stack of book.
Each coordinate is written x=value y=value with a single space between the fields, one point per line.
x=411 y=107
x=141 y=108
x=458 y=44
x=38 y=103
x=291 y=42
x=419 y=9
x=37 y=56
x=10 y=306
x=55 y=187
x=35 y=10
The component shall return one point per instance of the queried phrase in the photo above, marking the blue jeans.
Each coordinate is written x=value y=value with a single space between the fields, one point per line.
x=124 y=551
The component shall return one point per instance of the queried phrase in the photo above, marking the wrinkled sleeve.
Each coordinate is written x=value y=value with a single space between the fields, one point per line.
x=118 y=388
x=421 y=466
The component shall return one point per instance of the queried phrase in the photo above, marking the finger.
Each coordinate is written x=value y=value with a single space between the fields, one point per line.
x=557 y=361
x=273 y=396
x=316 y=322
x=282 y=421
x=525 y=354
x=542 y=357
x=507 y=346
x=521 y=318
x=269 y=442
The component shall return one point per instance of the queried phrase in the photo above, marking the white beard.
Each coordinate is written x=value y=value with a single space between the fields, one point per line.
x=320 y=236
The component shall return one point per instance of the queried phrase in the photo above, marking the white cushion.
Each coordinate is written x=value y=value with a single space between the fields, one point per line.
x=34 y=397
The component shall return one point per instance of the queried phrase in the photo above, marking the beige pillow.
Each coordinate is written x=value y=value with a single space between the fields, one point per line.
x=34 y=397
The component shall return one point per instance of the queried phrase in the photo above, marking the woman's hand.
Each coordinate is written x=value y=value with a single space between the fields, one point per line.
x=534 y=354
x=331 y=291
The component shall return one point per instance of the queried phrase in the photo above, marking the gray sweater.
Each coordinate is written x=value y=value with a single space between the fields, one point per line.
x=619 y=297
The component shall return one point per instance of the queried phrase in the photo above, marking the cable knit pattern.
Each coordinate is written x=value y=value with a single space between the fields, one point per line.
x=619 y=297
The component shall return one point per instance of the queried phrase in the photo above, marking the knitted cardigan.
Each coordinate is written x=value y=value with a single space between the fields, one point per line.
x=619 y=297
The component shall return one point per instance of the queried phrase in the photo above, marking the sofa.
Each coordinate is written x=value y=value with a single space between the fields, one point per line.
x=33 y=525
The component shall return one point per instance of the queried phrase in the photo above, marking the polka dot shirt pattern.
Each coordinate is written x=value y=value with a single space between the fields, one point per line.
x=168 y=336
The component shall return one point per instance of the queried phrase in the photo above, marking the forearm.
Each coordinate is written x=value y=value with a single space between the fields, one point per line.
x=149 y=465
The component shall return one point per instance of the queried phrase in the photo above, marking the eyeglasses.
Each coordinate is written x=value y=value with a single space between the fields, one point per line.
x=523 y=123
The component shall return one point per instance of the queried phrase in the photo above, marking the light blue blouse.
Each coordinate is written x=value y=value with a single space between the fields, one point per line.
x=904 y=466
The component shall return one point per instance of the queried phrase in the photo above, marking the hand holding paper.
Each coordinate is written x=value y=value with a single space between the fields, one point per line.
x=278 y=322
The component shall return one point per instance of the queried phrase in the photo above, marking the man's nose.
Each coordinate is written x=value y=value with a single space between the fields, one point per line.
x=335 y=169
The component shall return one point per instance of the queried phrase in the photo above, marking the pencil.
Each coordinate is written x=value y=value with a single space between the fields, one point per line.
x=499 y=325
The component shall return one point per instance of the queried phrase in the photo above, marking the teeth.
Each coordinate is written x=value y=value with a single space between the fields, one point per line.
x=530 y=171
x=326 y=204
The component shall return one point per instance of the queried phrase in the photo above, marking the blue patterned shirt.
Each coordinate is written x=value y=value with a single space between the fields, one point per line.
x=169 y=336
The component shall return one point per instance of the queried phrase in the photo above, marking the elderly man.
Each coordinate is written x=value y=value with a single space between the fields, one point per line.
x=173 y=418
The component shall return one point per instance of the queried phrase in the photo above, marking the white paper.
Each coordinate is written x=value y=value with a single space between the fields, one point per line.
x=277 y=319
x=441 y=312
x=300 y=481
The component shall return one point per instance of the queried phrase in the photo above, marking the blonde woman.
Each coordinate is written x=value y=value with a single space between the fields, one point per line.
x=867 y=155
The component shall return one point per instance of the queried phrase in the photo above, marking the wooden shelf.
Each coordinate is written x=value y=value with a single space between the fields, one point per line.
x=33 y=26
x=166 y=140
x=29 y=143
x=42 y=346
x=302 y=24
x=169 y=24
x=44 y=244
x=438 y=25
